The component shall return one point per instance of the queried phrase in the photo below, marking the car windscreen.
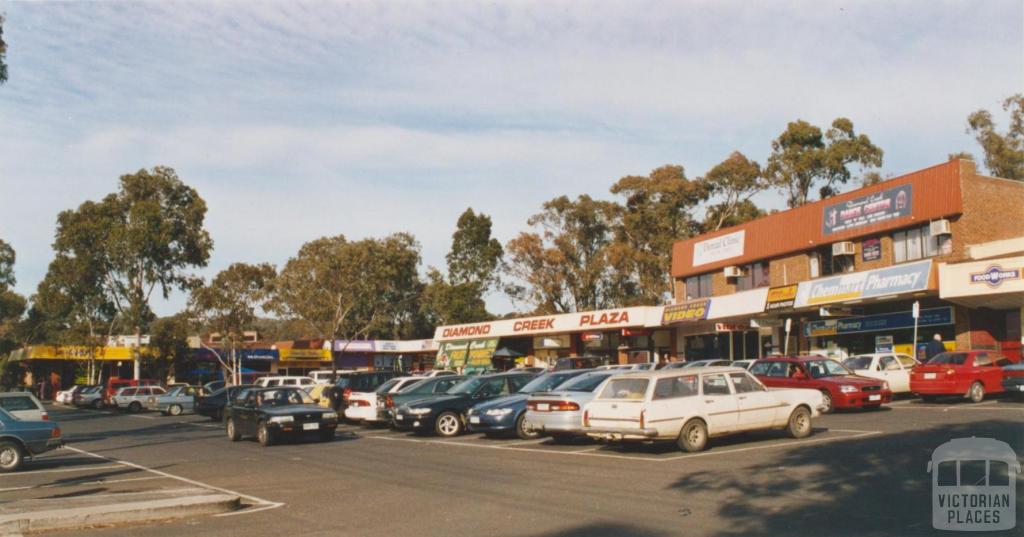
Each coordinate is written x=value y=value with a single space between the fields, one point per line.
x=18 y=403
x=826 y=368
x=949 y=358
x=386 y=387
x=547 y=382
x=467 y=387
x=625 y=388
x=283 y=397
x=858 y=362
x=585 y=383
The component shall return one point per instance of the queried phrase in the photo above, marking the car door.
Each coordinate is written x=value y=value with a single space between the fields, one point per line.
x=673 y=401
x=907 y=363
x=719 y=404
x=244 y=410
x=988 y=372
x=757 y=407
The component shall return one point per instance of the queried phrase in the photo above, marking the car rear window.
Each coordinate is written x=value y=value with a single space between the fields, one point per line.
x=18 y=403
x=950 y=358
x=631 y=389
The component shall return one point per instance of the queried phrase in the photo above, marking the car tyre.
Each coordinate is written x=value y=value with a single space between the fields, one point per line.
x=175 y=410
x=827 y=404
x=521 y=431
x=448 y=424
x=976 y=393
x=233 y=433
x=264 y=436
x=135 y=407
x=799 y=423
x=693 y=437
x=11 y=456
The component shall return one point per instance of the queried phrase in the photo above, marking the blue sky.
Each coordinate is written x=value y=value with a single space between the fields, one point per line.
x=297 y=120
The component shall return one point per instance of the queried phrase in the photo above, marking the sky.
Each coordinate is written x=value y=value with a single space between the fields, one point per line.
x=300 y=120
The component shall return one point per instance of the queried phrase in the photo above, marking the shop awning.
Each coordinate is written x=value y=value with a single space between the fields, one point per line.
x=994 y=283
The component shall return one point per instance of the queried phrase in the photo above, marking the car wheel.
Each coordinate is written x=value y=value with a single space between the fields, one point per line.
x=11 y=456
x=135 y=407
x=175 y=410
x=826 y=402
x=977 y=392
x=693 y=437
x=264 y=436
x=233 y=433
x=448 y=424
x=521 y=430
x=799 y=423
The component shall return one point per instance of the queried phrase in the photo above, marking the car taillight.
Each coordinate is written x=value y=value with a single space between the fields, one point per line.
x=389 y=402
x=55 y=433
x=46 y=417
x=346 y=394
x=950 y=371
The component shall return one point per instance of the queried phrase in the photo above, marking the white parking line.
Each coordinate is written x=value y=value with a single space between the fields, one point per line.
x=772 y=446
x=83 y=482
x=63 y=470
x=948 y=408
x=263 y=505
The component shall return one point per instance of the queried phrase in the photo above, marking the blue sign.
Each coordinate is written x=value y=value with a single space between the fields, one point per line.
x=880 y=322
x=263 y=355
x=995 y=275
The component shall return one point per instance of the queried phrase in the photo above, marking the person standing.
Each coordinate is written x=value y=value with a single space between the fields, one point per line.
x=934 y=347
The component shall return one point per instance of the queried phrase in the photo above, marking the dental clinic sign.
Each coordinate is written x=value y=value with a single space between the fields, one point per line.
x=718 y=248
x=899 y=279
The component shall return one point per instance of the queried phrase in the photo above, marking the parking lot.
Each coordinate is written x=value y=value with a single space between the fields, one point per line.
x=861 y=473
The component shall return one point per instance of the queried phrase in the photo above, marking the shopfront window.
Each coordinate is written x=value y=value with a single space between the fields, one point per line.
x=698 y=286
x=918 y=243
x=754 y=275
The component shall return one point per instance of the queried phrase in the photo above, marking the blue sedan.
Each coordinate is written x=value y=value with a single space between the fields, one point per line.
x=24 y=439
x=505 y=414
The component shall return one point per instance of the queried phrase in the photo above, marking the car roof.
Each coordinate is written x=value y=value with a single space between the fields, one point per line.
x=677 y=372
x=805 y=358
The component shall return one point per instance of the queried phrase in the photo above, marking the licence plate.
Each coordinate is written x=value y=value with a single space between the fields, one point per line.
x=310 y=426
x=398 y=417
x=543 y=407
x=874 y=398
x=929 y=375
x=474 y=419
x=1021 y=387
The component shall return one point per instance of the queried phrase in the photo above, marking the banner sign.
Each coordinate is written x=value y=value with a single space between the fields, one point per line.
x=81 y=352
x=871 y=250
x=553 y=324
x=906 y=278
x=480 y=352
x=731 y=327
x=323 y=355
x=877 y=323
x=718 y=248
x=452 y=353
x=691 y=311
x=781 y=298
x=888 y=204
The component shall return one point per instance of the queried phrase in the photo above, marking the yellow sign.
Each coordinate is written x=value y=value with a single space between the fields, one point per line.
x=690 y=311
x=81 y=352
x=322 y=355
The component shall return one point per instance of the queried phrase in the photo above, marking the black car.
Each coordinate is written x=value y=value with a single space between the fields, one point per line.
x=362 y=381
x=445 y=414
x=422 y=389
x=213 y=405
x=274 y=413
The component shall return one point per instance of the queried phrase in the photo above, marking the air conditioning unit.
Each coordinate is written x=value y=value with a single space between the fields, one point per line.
x=939 y=227
x=733 y=272
x=843 y=248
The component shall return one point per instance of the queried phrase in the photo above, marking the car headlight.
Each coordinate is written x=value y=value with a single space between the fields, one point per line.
x=330 y=415
x=498 y=412
x=282 y=419
x=419 y=411
x=846 y=388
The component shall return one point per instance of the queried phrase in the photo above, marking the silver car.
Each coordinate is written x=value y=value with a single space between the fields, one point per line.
x=134 y=398
x=560 y=413
x=23 y=405
x=179 y=400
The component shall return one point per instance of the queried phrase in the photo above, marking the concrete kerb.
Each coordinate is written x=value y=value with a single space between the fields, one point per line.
x=34 y=516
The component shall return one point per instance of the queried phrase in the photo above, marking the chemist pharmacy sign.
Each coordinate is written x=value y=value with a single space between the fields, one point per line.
x=907 y=278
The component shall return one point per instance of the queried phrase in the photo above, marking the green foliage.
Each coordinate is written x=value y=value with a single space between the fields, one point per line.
x=3 y=53
x=71 y=302
x=734 y=181
x=12 y=305
x=803 y=158
x=744 y=212
x=1004 y=153
x=168 y=344
x=228 y=304
x=7 y=258
x=475 y=256
x=444 y=303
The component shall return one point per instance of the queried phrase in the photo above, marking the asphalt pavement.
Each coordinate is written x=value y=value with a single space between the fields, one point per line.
x=860 y=473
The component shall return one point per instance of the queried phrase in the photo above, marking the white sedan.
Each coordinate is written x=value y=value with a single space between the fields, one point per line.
x=367 y=407
x=692 y=405
x=890 y=367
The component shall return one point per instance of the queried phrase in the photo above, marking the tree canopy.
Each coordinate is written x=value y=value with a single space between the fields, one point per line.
x=734 y=181
x=1004 y=153
x=3 y=53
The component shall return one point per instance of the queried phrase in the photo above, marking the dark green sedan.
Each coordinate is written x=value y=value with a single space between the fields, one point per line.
x=23 y=439
x=271 y=414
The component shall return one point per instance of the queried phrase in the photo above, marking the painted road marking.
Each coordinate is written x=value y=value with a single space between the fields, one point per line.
x=63 y=470
x=772 y=446
x=84 y=481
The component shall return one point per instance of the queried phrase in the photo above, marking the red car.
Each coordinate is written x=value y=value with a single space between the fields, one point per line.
x=838 y=385
x=970 y=374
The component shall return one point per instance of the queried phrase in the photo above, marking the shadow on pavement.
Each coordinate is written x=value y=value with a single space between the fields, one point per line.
x=609 y=529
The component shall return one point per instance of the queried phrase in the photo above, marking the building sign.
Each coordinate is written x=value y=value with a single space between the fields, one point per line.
x=480 y=352
x=906 y=278
x=591 y=336
x=883 y=343
x=883 y=206
x=553 y=324
x=81 y=352
x=878 y=323
x=452 y=353
x=731 y=327
x=994 y=276
x=781 y=298
x=551 y=342
x=696 y=310
x=871 y=250
x=718 y=248
x=355 y=345
x=290 y=355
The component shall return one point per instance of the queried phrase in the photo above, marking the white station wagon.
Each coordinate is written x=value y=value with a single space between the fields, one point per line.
x=692 y=405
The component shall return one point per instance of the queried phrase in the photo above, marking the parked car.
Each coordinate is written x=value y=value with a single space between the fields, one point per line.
x=134 y=398
x=697 y=363
x=1013 y=379
x=213 y=405
x=581 y=362
x=213 y=386
x=359 y=381
x=420 y=390
x=445 y=415
x=23 y=405
x=176 y=401
x=645 y=366
x=435 y=373
x=67 y=397
x=115 y=384
x=692 y=406
x=91 y=397
x=369 y=407
x=971 y=374
x=890 y=367
x=22 y=439
x=839 y=386
x=270 y=414
x=506 y=414
x=294 y=382
x=559 y=412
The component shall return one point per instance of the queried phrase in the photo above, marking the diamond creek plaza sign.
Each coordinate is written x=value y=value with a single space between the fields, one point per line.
x=898 y=279
x=548 y=324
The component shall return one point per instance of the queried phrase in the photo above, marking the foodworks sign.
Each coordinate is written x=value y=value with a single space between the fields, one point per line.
x=899 y=279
